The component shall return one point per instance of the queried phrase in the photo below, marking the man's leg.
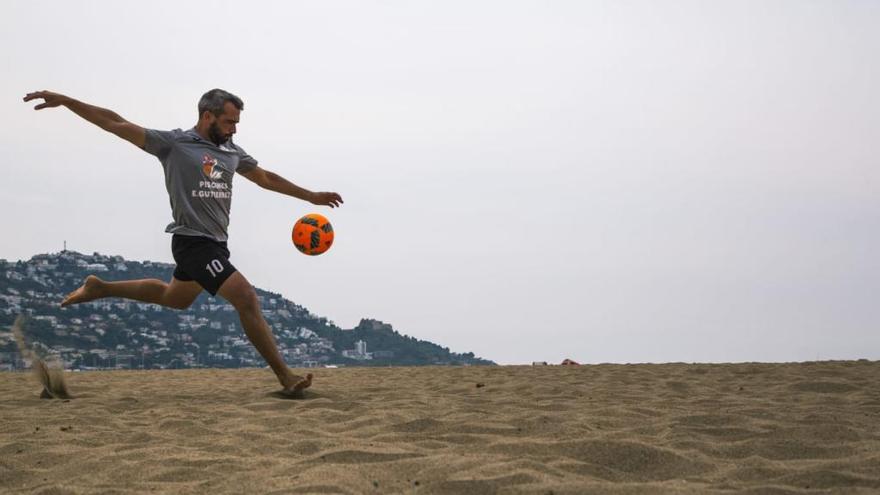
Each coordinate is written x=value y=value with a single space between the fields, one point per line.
x=177 y=294
x=241 y=294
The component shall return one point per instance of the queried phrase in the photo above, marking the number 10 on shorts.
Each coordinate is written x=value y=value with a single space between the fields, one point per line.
x=214 y=267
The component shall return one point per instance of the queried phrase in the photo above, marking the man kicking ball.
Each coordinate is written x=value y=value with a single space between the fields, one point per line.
x=199 y=165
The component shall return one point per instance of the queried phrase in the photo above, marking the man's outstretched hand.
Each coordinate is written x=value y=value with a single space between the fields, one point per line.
x=330 y=199
x=50 y=99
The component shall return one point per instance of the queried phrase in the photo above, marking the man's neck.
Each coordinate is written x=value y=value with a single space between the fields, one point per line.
x=202 y=131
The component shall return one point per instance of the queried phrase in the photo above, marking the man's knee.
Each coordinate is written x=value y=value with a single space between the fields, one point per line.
x=247 y=301
x=180 y=295
x=241 y=294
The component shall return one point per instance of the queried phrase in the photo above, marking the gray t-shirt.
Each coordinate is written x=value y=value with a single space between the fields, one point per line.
x=198 y=177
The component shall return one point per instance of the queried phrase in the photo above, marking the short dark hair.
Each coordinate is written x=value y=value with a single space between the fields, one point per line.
x=213 y=101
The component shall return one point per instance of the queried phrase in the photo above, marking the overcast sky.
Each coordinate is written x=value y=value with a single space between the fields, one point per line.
x=602 y=181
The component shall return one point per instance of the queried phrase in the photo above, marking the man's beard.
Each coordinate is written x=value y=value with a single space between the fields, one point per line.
x=216 y=136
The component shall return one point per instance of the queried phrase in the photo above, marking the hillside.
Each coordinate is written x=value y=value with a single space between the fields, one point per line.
x=116 y=333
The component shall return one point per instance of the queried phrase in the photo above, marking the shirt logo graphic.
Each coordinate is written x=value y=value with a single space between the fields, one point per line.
x=210 y=168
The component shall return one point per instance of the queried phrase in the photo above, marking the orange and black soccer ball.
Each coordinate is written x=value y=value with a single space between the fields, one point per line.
x=312 y=234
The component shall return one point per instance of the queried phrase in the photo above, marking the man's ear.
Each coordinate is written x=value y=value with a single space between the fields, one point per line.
x=207 y=116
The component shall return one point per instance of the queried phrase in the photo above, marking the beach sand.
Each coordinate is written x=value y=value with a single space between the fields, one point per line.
x=671 y=428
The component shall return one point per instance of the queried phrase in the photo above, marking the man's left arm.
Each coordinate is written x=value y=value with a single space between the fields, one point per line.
x=274 y=182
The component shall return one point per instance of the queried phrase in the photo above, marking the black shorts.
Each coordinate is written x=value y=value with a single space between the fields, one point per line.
x=201 y=259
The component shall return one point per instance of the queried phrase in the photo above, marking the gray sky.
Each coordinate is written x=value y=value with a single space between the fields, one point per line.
x=604 y=181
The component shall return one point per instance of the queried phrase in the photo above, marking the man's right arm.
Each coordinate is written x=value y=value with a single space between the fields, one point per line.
x=105 y=119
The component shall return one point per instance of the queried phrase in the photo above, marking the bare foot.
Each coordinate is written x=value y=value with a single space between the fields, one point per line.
x=88 y=291
x=295 y=384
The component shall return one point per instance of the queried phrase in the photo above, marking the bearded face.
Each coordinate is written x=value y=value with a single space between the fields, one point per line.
x=216 y=134
x=220 y=128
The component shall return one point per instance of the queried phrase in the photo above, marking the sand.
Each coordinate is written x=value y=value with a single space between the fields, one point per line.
x=673 y=428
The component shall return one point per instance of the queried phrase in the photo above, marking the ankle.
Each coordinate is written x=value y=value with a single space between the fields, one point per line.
x=287 y=378
x=99 y=287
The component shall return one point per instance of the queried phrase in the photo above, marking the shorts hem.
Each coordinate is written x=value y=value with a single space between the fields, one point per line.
x=220 y=281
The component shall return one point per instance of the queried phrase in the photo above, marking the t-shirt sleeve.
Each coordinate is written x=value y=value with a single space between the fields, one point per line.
x=246 y=162
x=158 y=143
